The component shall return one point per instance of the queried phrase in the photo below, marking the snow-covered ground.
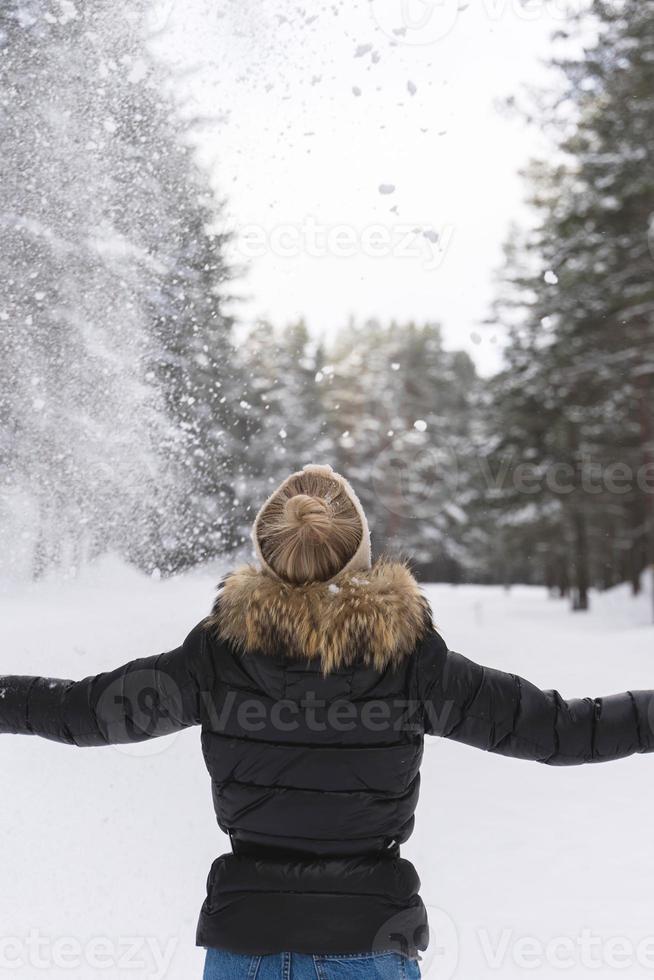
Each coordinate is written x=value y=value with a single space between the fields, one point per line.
x=526 y=869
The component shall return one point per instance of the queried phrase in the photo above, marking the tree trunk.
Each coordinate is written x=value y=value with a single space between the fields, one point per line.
x=635 y=579
x=39 y=559
x=645 y=385
x=580 y=601
x=635 y=561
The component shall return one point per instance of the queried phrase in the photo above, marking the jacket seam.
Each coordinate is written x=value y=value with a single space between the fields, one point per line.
x=28 y=695
x=554 y=754
x=313 y=892
x=415 y=739
x=597 y=711
x=639 y=737
x=323 y=838
x=392 y=797
x=464 y=708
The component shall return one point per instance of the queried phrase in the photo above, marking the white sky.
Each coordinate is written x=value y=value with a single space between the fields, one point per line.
x=300 y=157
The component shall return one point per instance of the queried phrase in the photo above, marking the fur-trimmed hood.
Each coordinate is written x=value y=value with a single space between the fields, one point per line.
x=376 y=616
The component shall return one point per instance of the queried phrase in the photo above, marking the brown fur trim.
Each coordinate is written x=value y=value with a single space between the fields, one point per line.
x=377 y=615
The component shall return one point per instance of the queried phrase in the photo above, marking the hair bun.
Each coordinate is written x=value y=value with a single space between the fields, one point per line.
x=312 y=513
x=310 y=528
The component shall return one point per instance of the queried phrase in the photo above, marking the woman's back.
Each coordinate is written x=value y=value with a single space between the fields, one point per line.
x=315 y=774
x=314 y=680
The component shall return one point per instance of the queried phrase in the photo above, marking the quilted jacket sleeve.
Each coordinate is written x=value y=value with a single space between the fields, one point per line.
x=501 y=712
x=143 y=699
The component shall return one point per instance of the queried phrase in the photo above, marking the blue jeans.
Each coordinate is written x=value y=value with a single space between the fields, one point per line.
x=221 y=965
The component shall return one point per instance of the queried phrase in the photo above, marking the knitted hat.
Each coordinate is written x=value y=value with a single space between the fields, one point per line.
x=361 y=559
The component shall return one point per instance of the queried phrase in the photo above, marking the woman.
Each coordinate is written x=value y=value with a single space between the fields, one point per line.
x=314 y=679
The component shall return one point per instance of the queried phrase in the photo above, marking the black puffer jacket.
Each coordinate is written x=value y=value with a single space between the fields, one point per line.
x=313 y=703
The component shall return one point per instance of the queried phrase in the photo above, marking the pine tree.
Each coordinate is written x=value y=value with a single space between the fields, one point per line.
x=286 y=409
x=119 y=421
x=401 y=415
x=79 y=425
x=585 y=344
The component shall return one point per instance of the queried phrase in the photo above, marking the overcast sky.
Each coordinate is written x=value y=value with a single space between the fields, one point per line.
x=367 y=169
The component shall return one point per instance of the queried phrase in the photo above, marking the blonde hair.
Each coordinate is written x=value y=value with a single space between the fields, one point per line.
x=309 y=529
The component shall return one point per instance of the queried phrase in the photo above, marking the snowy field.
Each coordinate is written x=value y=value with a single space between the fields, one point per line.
x=526 y=870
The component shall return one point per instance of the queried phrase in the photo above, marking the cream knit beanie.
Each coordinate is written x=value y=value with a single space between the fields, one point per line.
x=361 y=559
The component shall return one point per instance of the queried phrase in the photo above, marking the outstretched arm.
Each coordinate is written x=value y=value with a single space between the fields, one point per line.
x=143 y=699
x=503 y=713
